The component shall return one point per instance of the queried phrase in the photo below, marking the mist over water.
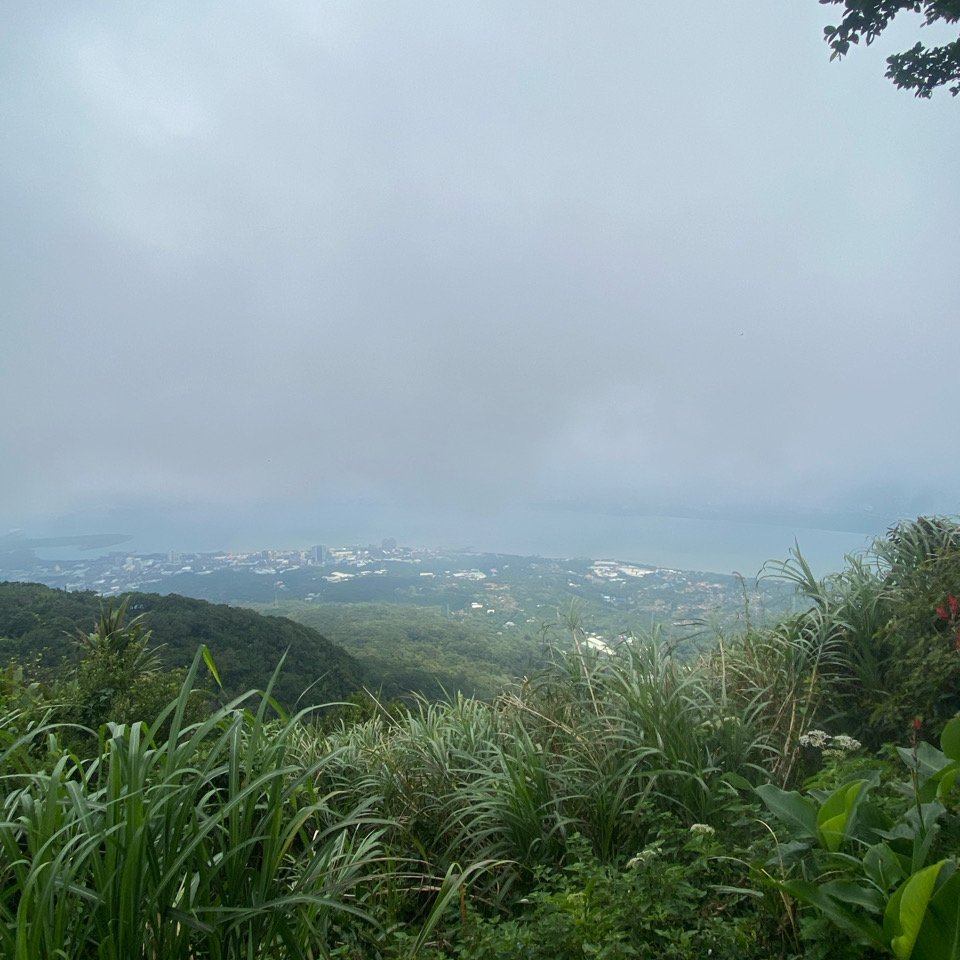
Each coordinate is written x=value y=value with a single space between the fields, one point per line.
x=334 y=272
x=720 y=545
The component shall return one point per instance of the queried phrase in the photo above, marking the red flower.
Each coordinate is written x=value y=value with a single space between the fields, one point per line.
x=917 y=724
x=954 y=605
x=942 y=613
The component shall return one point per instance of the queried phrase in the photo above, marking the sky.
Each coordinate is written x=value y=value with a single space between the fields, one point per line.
x=534 y=277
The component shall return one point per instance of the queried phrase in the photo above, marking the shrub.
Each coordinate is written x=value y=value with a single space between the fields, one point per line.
x=662 y=904
x=887 y=881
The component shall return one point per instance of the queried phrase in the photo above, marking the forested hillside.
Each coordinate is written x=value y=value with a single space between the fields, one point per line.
x=420 y=648
x=38 y=624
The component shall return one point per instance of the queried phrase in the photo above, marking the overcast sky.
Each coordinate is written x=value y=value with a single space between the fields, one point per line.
x=458 y=260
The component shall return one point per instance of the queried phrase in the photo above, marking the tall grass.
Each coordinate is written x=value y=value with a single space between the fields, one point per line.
x=598 y=745
x=212 y=842
x=248 y=837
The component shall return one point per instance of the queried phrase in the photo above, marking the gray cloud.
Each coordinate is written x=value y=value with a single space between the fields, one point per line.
x=472 y=257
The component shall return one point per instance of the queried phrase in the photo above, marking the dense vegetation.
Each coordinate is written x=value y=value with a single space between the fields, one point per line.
x=790 y=793
x=420 y=648
x=39 y=628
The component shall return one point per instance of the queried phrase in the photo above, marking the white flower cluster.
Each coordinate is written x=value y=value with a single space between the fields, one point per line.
x=822 y=740
x=814 y=738
x=704 y=829
x=644 y=856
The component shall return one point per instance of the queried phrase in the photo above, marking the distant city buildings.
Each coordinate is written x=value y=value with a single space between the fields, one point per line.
x=116 y=573
x=512 y=590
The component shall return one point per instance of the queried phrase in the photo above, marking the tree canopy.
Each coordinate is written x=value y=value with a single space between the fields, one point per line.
x=921 y=69
x=37 y=624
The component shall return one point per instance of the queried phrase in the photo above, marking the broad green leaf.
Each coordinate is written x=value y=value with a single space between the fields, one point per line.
x=882 y=866
x=925 y=758
x=791 y=851
x=790 y=807
x=948 y=781
x=872 y=817
x=950 y=739
x=912 y=837
x=939 y=937
x=906 y=910
x=835 y=816
x=926 y=828
x=846 y=891
x=736 y=780
x=851 y=919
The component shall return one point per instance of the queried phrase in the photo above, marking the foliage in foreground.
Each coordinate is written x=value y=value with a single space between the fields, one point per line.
x=884 y=870
x=609 y=805
x=211 y=842
x=921 y=68
x=665 y=902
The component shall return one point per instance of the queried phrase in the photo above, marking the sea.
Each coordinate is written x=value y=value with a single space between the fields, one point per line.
x=714 y=544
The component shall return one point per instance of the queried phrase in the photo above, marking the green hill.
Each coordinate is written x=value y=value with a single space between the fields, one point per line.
x=422 y=649
x=39 y=623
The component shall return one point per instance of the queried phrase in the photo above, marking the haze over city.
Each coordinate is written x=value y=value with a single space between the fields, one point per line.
x=564 y=279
